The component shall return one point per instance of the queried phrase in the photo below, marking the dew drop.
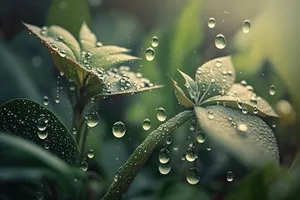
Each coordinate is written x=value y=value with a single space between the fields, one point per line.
x=99 y=44
x=92 y=119
x=155 y=41
x=146 y=124
x=220 y=41
x=62 y=53
x=84 y=166
x=272 y=90
x=150 y=54
x=190 y=155
x=246 y=26
x=200 y=137
x=211 y=22
x=218 y=63
x=273 y=124
x=169 y=140
x=161 y=114
x=210 y=115
x=164 y=156
x=91 y=153
x=245 y=110
x=119 y=129
x=45 y=100
x=242 y=129
x=193 y=176
x=42 y=134
x=229 y=176
x=164 y=168
x=42 y=123
x=244 y=83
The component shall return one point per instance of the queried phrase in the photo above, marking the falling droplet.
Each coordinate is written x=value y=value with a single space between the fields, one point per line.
x=211 y=22
x=42 y=134
x=155 y=41
x=246 y=26
x=45 y=100
x=92 y=119
x=220 y=41
x=229 y=176
x=190 y=155
x=242 y=129
x=84 y=166
x=210 y=115
x=201 y=137
x=161 y=114
x=272 y=90
x=91 y=153
x=119 y=129
x=146 y=124
x=193 y=176
x=150 y=54
x=164 y=168
x=42 y=123
x=164 y=156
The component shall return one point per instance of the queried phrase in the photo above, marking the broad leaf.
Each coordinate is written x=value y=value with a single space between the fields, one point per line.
x=87 y=38
x=29 y=120
x=191 y=85
x=245 y=136
x=181 y=97
x=215 y=77
x=241 y=97
x=110 y=60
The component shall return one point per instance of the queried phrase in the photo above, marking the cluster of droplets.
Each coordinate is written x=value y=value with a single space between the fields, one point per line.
x=85 y=59
x=150 y=52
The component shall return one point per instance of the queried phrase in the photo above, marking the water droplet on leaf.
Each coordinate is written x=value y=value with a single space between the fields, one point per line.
x=92 y=119
x=190 y=155
x=201 y=137
x=42 y=123
x=246 y=26
x=45 y=100
x=155 y=41
x=164 y=168
x=150 y=54
x=119 y=129
x=146 y=124
x=164 y=155
x=91 y=153
x=220 y=41
x=193 y=176
x=272 y=90
x=161 y=114
x=211 y=22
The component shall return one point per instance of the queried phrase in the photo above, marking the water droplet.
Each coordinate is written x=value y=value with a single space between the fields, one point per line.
x=150 y=54
x=193 y=176
x=42 y=123
x=164 y=168
x=45 y=100
x=164 y=155
x=244 y=83
x=91 y=153
x=272 y=90
x=161 y=114
x=99 y=44
x=229 y=176
x=84 y=166
x=190 y=155
x=155 y=41
x=201 y=137
x=246 y=26
x=245 y=110
x=242 y=129
x=211 y=22
x=218 y=63
x=119 y=129
x=62 y=53
x=146 y=124
x=42 y=134
x=220 y=41
x=274 y=124
x=92 y=119
x=210 y=115
x=168 y=140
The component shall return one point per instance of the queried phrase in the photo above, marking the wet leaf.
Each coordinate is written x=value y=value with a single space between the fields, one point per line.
x=29 y=120
x=215 y=77
x=181 y=97
x=254 y=145
x=191 y=85
x=109 y=60
x=87 y=38
x=239 y=97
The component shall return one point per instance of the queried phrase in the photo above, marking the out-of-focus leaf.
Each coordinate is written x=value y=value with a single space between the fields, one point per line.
x=29 y=120
x=69 y=14
x=239 y=97
x=191 y=86
x=254 y=145
x=181 y=97
x=87 y=38
x=215 y=77
x=110 y=60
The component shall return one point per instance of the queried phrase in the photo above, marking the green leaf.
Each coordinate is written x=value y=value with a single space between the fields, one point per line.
x=215 y=77
x=26 y=119
x=69 y=14
x=61 y=34
x=254 y=146
x=87 y=38
x=182 y=99
x=191 y=85
x=239 y=97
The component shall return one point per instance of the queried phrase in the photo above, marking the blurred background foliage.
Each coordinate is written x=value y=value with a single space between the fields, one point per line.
x=267 y=55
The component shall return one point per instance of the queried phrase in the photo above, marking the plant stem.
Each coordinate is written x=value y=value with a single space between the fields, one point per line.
x=126 y=174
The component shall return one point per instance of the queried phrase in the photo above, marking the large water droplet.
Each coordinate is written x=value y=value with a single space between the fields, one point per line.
x=272 y=90
x=164 y=168
x=42 y=123
x=62 y=53
x=190 y=155
x=150 y=54
x=246 y=26
x=91 y=153
x=220 y=41
x=229 y=176
x=92 y=119
x=164 y=155
x=201 y=137
x=84 y=166
x=161 y=114
x=119 y=129
x=193 y=176
x=45 y=100
x=242 y=129
x=146 y=124
x=155 y=41
x=42 y=134
x=211 y=22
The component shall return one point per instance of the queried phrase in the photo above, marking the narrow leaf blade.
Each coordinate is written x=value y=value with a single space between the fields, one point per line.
x=181 y=97
x=191 y=85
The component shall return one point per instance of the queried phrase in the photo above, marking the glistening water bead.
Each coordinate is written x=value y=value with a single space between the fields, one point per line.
x=246 y=26
x=150 y=54
x=193 y=176
x=146 y=124
x=42 y=134
x=155 y=41
x=229 y=176
x=45 y=100
x=119 y=129
x=272 y=90
x=211 y=22
x=42 y=123
x=164 y=156
x=92 y=119
x=164 y=168
x=90 y=153
x=220 y=41
x=161 y=114
x=200 y=137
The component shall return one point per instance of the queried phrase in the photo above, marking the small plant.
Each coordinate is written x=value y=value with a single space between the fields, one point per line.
x=230 y=114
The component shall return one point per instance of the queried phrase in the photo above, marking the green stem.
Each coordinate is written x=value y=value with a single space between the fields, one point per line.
x=129 y=170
